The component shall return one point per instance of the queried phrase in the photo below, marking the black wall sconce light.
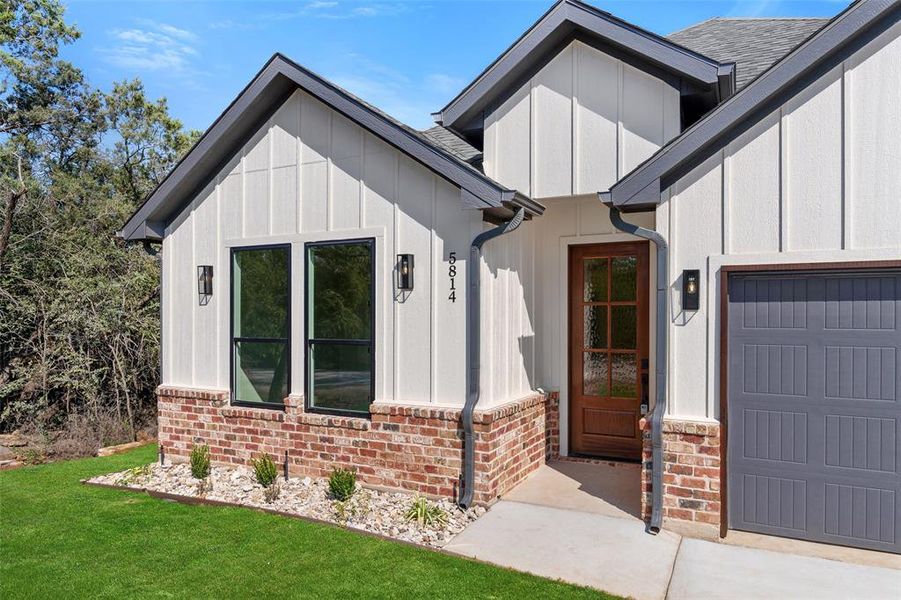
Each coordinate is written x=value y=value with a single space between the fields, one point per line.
x=205 y=281
x=691 y=289
x=405 y=272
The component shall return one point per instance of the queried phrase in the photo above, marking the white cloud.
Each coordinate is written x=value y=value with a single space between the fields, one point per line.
x=315 y=5
x=408 y=100
x=329 y=9
x=753 y=8
x=152 y=47
x=175 y=32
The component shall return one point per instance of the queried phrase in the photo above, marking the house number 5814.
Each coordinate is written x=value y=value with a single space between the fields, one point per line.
x=452 y=273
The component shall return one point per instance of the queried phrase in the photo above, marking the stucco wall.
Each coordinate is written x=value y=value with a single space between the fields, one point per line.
x=816 y=180
x=310 y=174
x=584 y=120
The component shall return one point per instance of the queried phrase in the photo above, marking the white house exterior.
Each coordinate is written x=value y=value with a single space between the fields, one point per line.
x=765 y=187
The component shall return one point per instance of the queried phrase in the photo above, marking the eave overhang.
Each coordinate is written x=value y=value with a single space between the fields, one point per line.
x=277 y=80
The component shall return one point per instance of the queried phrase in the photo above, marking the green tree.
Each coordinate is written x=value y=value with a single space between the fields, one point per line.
x=79 y=310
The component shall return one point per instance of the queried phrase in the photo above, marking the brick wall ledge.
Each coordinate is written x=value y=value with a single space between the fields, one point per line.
x=482 y=417
x=258 y=414
x=417 y=411
x=486 y=417
x=691 y=427
x=171 y=391
x=356 y=423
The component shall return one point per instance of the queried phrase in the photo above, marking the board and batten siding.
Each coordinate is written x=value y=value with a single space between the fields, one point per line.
x=818 y=180
x=508 y=315
x=581 y=122
x=309 y=174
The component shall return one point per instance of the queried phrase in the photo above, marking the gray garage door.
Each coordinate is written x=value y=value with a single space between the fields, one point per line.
x=813 y=416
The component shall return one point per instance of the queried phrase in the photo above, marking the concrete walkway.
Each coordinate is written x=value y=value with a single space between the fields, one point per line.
x=599 y=543
x=616 y=555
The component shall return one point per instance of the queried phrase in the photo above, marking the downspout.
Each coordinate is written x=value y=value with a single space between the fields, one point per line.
x=659 y=411
x=473 y=388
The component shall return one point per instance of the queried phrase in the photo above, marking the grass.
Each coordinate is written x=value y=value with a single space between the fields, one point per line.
x=59 y=538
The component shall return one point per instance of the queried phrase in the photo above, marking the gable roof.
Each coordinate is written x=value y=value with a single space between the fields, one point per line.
x=752 y=43
x=640 y=189
x=277 y=80
x=564 y=20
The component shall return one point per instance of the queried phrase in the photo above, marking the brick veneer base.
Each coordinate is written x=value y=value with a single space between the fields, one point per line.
x=414 y=448
x=691 y=474
x=552 y=426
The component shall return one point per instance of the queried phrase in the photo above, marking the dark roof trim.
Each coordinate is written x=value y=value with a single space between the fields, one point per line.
x=278 y=79
x=563 y=19
x=641 y=188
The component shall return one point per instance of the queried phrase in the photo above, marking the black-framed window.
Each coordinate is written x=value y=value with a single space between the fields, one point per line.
x=340 y=319
x=260 y=325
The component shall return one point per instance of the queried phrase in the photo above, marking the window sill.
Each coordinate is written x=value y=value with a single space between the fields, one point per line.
x=359 y=423
x=264 y=412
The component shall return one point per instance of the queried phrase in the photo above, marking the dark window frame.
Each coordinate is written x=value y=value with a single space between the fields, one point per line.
x=308 y=342
x=233 y=341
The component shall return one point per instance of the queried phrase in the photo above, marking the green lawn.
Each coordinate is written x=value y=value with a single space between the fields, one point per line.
x=59 y=538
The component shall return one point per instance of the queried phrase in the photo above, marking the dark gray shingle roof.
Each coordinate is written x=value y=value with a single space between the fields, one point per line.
x=450 y=142
x=754 y=44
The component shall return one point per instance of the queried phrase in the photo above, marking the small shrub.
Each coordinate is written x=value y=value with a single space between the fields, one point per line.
x=135 y=474
x=33 y=456
x=425 y=513
x=270 y=494
x=264 y=470
x=200 y=461
x=342 y=483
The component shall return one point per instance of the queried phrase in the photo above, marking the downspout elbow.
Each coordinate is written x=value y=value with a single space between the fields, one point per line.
x=473 y=387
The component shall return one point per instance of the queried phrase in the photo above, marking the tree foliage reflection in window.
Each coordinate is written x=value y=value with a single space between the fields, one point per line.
x=260 y=324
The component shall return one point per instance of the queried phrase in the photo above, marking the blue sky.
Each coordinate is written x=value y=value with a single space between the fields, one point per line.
x=408 y=58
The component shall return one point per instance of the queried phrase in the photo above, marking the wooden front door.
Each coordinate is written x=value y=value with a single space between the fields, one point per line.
x=608 y=348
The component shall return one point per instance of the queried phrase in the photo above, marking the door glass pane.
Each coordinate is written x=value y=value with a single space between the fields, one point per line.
x=260 y=300
x=594 y=271
x=261 y=372
x=624 y=375
x=341 y=377
x=595 y=326
x=340 y=280
x=623 y=280
x=623 y=321
x=594 y=374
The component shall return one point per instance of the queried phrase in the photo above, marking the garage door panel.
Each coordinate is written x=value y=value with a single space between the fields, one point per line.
x=814 y=419
x=774 y=304
x=774 y=435
x=861 y=372
x=861 y=515
x=774 y=369
x=862 y=303
x=861 y=443
x=779 y=502
x=843 y=511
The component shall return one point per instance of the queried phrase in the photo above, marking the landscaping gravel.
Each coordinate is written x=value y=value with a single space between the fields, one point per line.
x=370 y=510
